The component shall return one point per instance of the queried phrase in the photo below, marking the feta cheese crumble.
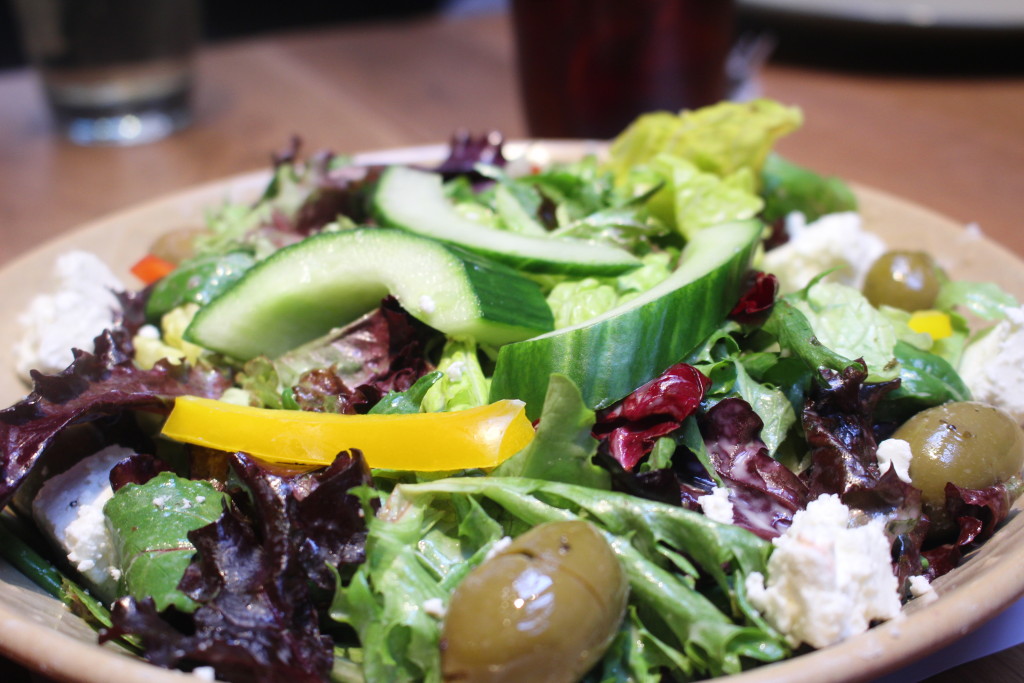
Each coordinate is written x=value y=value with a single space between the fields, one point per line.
x=69 y=509
x=993 y=366
x=922 y=589
x=717 y=506
x=499 y=545
x=827 y=581
x=206 y=673
x=895 y=453
x=434 y=607
x=81 y=307
x=836 y=240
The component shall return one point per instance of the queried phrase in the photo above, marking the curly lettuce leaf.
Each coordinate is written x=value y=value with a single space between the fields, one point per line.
x=691 y=200
x=95 y=386
x=256 y=575
x=663 y=548
x=719 y=139
x=576 y=301
x=564 y=447
x=463 y=383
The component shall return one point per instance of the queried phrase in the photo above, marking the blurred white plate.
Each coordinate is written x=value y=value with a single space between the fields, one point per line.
x=996 y=15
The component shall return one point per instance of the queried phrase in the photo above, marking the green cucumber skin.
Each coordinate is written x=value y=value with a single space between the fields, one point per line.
x=501 y=303
x=303 y=291
x=611 y=357
x=413 y=200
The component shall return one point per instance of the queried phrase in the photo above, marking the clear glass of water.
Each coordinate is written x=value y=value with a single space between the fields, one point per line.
x=114 y=72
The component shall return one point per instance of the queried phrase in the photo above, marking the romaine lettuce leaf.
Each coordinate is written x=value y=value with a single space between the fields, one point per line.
x=664 y=549
x=691 y=200
x=719 y=139
x=986 y=300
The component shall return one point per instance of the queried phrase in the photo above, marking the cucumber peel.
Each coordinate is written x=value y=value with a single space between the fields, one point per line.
x=612 y=354
x=303 y=291
x=414 y=200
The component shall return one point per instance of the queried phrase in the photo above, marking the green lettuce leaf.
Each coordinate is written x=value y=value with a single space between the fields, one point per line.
x=198 y=281
x=564 y=447
x=149 y=524
x=926 y=380
x=463 y=384
x=576 y=301
x=664 y=550
x=719 y=139
x=986 y=300
x=844 y=321
x=691 y=200
x=406 y=402
x=415 y=554
x=726 y=365
x=787 y=187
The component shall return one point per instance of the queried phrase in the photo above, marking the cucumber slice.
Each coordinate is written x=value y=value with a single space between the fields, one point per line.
x=303 y=291
x=612 y=354
x=414 y=200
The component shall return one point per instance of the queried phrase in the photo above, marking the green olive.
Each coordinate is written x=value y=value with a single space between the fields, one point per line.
x=903 y=279
x=543 y=609
x=175 y=246
x=970 y=444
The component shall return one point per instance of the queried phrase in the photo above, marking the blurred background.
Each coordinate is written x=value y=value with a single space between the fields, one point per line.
x=961 y=36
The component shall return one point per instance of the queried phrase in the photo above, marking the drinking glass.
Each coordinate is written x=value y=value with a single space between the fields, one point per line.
x=589 y=67
x=114 y=72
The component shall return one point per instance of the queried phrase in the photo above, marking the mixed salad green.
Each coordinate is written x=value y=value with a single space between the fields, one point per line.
x=649 y=416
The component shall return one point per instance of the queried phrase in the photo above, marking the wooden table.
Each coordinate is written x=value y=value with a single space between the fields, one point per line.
x=955 y=145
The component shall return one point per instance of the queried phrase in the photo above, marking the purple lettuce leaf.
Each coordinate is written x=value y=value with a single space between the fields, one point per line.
x=757 y=300
x=838 y=422
x=328 y=190
x=253 y=574
x=631 y=426
x=136 y=469
x=897 y=505
x=466 y=151
x=384 y=351
x=96 y=385
x=764 y=492
x=977 y=513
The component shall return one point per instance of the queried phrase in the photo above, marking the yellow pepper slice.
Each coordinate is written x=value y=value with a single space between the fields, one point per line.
x=935 y=323
x=480 y=437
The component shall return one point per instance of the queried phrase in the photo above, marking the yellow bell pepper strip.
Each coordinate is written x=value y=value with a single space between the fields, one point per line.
x=480 y=437
x=935 y=323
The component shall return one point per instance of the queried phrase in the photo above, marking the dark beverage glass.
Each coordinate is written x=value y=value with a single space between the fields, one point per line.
x=589 y=67
x=114 y=72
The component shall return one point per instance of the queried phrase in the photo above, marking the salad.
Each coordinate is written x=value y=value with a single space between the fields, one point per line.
x=666 y=413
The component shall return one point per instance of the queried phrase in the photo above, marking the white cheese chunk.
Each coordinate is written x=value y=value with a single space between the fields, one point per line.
x=81 y=307
x=717 y=506
x=69 y=510
x=895 y=453
x=833 y=241
x=993 y=366
x=826 y=581
x=922 y=589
